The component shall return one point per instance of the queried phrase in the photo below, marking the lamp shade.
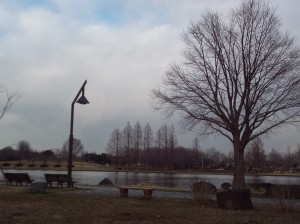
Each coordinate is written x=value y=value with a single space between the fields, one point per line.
x=82 y=100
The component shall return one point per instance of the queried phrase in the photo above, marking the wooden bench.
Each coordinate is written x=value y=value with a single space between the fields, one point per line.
x=19 y=178
x=147 y=190
x=59 y=179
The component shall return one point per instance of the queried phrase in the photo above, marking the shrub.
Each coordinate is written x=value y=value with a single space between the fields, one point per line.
x=201 y=191
x=226 y=186
x=283 y=197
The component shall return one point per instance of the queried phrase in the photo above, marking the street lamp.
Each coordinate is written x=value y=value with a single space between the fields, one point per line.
x=81 y=100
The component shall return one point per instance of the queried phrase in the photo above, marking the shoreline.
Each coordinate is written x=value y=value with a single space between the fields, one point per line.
x=93 y=167
x=105 y=169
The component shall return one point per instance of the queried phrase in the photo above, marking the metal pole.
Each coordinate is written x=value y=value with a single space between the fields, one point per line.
x=70 y=154
x=202 y=162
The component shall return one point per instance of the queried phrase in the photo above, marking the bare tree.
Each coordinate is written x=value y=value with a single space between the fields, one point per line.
x=158 y=139
x=78 y=148
x=9 y=101
x=197 y=149
x=164 y=140
x=46 y=155
x=172 y=143
x=8 y=154
x=297 y=152
x=275 y=159
x=214 y=157
x=127 y=141
x=24 y=150
x=148 y=141
x=239 y=78
x=58 y=156
x=137 y=141
x=159 y=143
x=255 y=154
x=196 y=145
x=288 y=159
x=114 y=144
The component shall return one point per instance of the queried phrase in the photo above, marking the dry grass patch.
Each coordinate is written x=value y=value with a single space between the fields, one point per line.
x=52 y=165
x=61 y=206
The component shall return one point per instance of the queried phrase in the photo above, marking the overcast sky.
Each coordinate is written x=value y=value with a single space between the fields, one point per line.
x=122 y=47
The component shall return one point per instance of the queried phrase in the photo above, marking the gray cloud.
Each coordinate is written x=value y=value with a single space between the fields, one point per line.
x=123 y=49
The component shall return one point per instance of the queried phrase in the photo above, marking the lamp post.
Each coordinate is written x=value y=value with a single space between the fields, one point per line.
x=81 y=100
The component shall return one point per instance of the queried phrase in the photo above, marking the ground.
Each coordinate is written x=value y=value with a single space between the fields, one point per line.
x=17 y=205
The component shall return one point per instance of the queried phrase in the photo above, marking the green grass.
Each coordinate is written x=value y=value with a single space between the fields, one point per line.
x=17 y=205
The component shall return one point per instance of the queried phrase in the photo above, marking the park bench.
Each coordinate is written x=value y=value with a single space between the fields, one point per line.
x=147 y=190
x=59 y=179
x=19 y=178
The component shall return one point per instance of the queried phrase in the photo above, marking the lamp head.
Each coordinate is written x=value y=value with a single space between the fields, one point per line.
x=82 y=100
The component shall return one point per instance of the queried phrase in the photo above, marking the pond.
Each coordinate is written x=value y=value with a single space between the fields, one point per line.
x=160 y=179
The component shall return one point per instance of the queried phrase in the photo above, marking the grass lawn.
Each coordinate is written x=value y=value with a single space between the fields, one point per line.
x=17 y=205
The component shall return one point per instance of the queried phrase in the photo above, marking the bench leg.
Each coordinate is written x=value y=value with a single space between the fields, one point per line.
x=147 y=194
x=123 y=192
x=18 y=182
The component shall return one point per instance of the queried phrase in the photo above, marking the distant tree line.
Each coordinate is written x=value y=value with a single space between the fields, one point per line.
x=24 y=152
x=256 y=158
x=134 y=146
x=138 y=147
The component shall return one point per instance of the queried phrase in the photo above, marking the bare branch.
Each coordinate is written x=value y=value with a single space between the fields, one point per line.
x=10 y=100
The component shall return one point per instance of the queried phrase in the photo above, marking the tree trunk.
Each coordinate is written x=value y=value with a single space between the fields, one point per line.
x=239 y=166
x=239 y=197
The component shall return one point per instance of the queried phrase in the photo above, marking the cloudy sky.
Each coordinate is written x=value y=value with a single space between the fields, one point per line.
x=122 y=47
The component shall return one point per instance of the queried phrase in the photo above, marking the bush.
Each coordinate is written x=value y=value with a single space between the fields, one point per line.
x=226 y=186
x=202 y=190
x=283 y=197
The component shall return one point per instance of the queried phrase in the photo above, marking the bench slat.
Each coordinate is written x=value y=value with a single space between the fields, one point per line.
x=19 y=178
x=147 y=191
x=60 y=179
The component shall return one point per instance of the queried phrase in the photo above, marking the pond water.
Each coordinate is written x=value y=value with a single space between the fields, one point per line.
x=161 y=179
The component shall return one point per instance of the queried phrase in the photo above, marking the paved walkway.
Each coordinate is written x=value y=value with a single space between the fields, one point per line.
x=115 y=192
x=164 y=194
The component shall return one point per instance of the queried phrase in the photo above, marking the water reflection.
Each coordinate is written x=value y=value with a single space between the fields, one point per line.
x=161 y=179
